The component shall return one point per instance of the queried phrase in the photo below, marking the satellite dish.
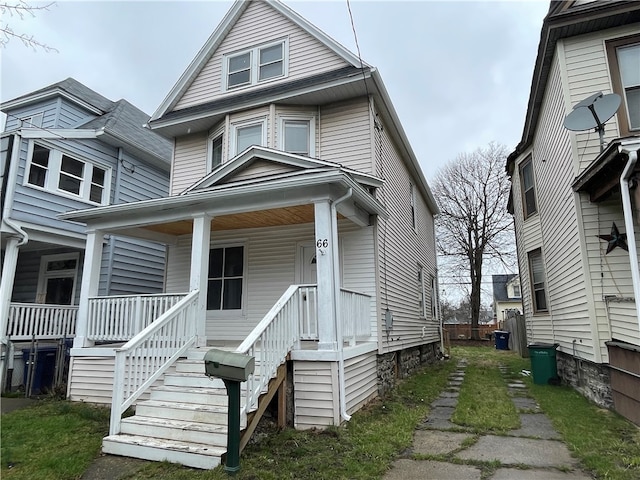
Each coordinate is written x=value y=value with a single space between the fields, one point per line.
x=593 y=112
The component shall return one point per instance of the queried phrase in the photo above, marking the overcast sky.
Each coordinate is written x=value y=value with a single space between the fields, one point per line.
x=457 y=72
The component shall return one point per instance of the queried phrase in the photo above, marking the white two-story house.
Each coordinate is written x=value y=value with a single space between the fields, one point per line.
x=575 y=201
x=300 y=231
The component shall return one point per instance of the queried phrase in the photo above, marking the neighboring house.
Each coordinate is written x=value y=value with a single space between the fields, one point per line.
x=300 y=231
x=580 y=285
x=66 y=147
x=506 y=296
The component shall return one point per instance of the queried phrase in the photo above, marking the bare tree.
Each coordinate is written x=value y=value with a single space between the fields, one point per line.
x=474 y=226
x=19 y=10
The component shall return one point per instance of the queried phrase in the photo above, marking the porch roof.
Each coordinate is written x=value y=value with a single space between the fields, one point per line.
x=602 y=177
x=281 y=199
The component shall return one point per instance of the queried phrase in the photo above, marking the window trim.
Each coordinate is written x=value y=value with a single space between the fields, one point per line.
x=54 y=170
x=254 y=67
x=624 y=123
x=249 y=123
x=534 y=306
x=235 y=313
x=414 y=220
x=213 y=136
x=528 y=162
x=422 y=293
x=312 y=132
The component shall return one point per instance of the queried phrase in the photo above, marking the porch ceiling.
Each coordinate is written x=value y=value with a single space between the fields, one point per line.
x=264 y=218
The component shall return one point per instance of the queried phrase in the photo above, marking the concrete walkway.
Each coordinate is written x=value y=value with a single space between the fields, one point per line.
x=443 y=450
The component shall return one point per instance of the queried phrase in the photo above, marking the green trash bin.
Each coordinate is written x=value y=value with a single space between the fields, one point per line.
x=543 y=362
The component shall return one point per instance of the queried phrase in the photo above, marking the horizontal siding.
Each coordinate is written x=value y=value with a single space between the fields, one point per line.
x=257 y=25
x=70 y=115
x=137 y=267
x=315 y=394
x=140 y=181
x=624 y=320
x=189 y=161
x=261 y=169
x=345 y=135
x=401 y=247
x=48 y=108
x=361 y=380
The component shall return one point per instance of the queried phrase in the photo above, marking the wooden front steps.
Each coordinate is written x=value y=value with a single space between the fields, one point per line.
x=185 y=419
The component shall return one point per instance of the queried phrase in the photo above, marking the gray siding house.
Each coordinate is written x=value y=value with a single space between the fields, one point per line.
x=66 y=147
x=575 y=201
x=300 y=231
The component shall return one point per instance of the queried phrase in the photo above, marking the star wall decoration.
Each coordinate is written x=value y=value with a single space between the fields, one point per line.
x=615 y=239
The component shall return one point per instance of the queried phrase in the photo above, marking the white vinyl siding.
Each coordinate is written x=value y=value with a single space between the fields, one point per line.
x=258 y=169
x=189 y=163
x=345 y=135
x=361 y=380
x=624 y=320
x=400 y=249
x=259 y=24
x=315 y=393
x=271 y=269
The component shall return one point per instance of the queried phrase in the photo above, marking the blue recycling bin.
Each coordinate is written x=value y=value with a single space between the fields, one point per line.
x=502 y=339
x=44 y=369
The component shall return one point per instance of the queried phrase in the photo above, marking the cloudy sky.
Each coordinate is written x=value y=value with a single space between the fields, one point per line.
x=458 y=72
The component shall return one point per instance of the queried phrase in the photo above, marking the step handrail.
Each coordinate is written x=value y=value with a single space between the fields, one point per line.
x=271 y=341
x=144 y=358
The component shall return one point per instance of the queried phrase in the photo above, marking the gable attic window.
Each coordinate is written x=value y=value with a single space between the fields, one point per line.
x=52 y=170
x=298 y=136
x=624 y=64
x=256 y=64
x=528 y=188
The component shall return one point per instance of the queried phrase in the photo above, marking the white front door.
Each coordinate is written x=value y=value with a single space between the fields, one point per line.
x=308 y=276
x=57 y=280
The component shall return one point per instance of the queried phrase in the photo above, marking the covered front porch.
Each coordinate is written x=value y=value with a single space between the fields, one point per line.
x=279 y=268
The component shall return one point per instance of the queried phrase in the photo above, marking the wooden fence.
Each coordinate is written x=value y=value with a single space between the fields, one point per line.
x=463 y=331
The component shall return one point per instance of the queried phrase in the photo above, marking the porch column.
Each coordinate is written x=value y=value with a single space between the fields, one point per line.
x=200 y=244
x=6 y=284
x=89 y=285
x=325 y=272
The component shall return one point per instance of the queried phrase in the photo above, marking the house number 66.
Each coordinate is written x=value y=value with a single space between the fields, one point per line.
x=322 y=243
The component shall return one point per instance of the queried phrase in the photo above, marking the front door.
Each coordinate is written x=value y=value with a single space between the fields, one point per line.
x=308 y=276
x=57 y=281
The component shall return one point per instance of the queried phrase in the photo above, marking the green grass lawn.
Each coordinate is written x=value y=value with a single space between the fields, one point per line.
x=58 y=440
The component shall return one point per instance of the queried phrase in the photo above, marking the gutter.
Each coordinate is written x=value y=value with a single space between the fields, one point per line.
x=336 y=304
x=628 y=222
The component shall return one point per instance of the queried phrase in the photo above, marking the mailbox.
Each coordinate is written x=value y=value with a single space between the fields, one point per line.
x=228 y=365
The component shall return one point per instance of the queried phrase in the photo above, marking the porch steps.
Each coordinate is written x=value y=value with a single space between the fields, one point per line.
x=183 y=421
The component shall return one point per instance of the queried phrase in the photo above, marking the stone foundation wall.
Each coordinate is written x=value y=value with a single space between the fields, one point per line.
x=403 y=363
x=591 y=379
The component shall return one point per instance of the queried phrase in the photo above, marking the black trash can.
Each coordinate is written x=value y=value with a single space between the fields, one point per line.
x=43 y=370
x=543 y=362
x=502 y=339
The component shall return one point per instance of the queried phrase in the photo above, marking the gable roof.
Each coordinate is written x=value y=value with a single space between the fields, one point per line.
x=253 y=153
x=500 y=283
x=219 y=34
x=567 y=19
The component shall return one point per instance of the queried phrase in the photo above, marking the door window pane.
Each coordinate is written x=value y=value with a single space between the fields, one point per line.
x=59 y=291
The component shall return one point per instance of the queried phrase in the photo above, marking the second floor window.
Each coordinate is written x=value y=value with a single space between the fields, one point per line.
x=297 y=137
x=57 y=172
x=256 y=65
x=248 y=135
x=624 y=64
x=528 y=188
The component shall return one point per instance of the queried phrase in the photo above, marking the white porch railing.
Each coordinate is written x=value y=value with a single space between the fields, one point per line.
x=144 y=358
x=270 y=342
x=308 y=312
x=355 y=312
x=29 y=320
x=120 y=318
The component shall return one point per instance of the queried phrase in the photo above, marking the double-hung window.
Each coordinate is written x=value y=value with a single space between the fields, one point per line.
x=624 y=63
x=257 y=64
x=528 y=188
x=216 y=140
x=225 y=278
x=298 y=136
x=538 y=281
x=422 y=303
x=247 y=134
x=57 y=172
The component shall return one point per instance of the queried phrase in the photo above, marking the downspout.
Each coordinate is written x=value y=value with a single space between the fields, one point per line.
x=336 y=305
x=9 y=180
x=628 y=223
